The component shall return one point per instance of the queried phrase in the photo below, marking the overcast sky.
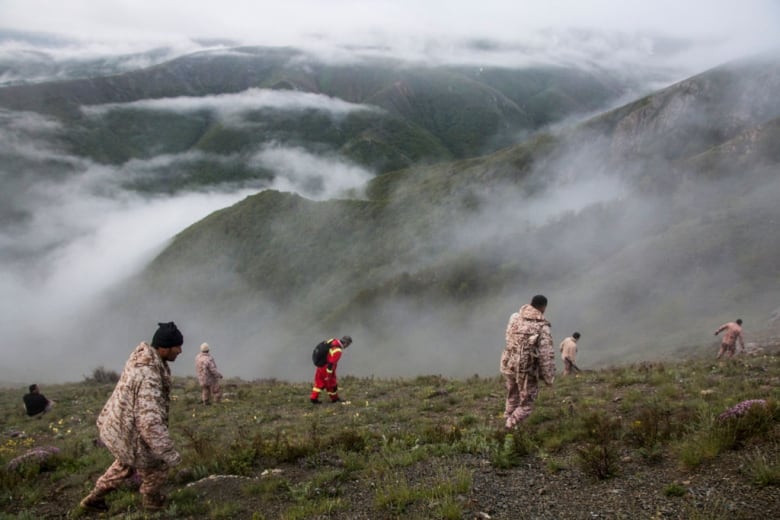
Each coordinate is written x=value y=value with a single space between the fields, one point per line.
x=722 y=29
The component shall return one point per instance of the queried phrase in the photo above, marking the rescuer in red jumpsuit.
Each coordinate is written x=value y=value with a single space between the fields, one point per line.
x=325 y=376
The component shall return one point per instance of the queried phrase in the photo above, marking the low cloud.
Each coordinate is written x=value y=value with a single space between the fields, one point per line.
x=231 y=106
x=71 y=236
x=314 y=176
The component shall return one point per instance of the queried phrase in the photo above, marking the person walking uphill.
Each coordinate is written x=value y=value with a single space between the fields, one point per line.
x=527 y=358
x=733 y=334
x=134 y=422
x=208 y=375
x=325 y=376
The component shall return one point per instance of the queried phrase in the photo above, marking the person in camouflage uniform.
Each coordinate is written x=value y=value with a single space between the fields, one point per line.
x=728 y=345
x=134 y=422
x=527 y=358
x=569 y=353
x=208 y=375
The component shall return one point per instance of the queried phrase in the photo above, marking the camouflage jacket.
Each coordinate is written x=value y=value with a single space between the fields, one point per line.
x=733 y=334
x=529 y=345
x=206 y=368
x=569 y=349
x=134 y=421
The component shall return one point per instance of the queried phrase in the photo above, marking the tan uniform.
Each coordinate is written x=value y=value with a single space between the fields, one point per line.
x=208 y=377
x=568 y=354
x=527 y=358
x=134 y=425
x=733 y=334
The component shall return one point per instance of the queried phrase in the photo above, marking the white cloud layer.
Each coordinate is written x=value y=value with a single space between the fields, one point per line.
x=698 y=33
x=232 y=105
x=299 y=171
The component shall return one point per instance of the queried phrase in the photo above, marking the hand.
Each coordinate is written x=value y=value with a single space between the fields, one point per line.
x=173 y=458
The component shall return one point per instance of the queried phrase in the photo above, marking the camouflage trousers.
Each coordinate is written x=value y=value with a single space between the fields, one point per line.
x=521 y=393
x=207 y=392
x=152 y=479
x=727 y=350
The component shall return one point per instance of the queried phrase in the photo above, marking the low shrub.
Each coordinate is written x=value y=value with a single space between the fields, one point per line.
x=102 y=375
x=597 y=455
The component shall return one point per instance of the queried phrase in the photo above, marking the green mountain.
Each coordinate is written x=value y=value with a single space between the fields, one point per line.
x=421 y=114
x=633 y=223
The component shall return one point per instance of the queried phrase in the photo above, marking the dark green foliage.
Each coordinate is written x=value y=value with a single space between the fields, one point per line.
x=441 y=434
x=675 y=490
x=508 y=449
x=102 y=375
x=122 y=134
x=651 y=424
x=428 y=114
x=598 y=455
x=349 y=440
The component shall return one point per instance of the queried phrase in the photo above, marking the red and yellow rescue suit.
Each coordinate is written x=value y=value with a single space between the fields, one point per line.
x=325 y=376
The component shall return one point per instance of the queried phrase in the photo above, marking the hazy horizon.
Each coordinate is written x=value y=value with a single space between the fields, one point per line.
x=75 y=234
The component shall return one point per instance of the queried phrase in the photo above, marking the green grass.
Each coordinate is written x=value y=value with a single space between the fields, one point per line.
x=401 y=448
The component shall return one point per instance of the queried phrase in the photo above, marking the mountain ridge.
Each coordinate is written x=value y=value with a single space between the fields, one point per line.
x=432 y=263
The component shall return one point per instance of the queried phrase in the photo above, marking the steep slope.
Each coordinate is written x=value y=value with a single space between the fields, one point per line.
x=694 y=115
x=652 y=253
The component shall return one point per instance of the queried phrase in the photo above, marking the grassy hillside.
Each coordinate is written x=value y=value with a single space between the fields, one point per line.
x=631 y=441
x=690 y=117
x=677 y=244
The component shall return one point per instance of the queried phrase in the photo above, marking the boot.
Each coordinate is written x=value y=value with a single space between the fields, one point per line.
x=153 y=501
x=94 y=502
x=315 y=401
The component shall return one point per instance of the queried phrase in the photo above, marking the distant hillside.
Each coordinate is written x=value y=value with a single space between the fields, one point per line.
x=427 y=114
x=637 y=247
x=694 y=115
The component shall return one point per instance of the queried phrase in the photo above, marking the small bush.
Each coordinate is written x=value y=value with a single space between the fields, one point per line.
x=102 y=375
x=675 y=490
x=598 y=456
x=761 y=471
x=698 y=449
x=649 y=427
x=285 y=449
x=348 y=440
x=441 y=434
x=508 y=449
x=395 y=495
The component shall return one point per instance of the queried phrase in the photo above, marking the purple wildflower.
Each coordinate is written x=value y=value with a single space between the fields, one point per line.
x=740 y=409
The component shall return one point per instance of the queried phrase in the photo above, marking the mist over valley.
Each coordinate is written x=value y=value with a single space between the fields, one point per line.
x=265 y=197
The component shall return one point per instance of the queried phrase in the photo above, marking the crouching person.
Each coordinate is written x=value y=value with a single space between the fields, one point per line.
x=325 y=376
x=134 y=422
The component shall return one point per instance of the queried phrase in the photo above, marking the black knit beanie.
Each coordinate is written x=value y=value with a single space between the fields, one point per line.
x=167 y=335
